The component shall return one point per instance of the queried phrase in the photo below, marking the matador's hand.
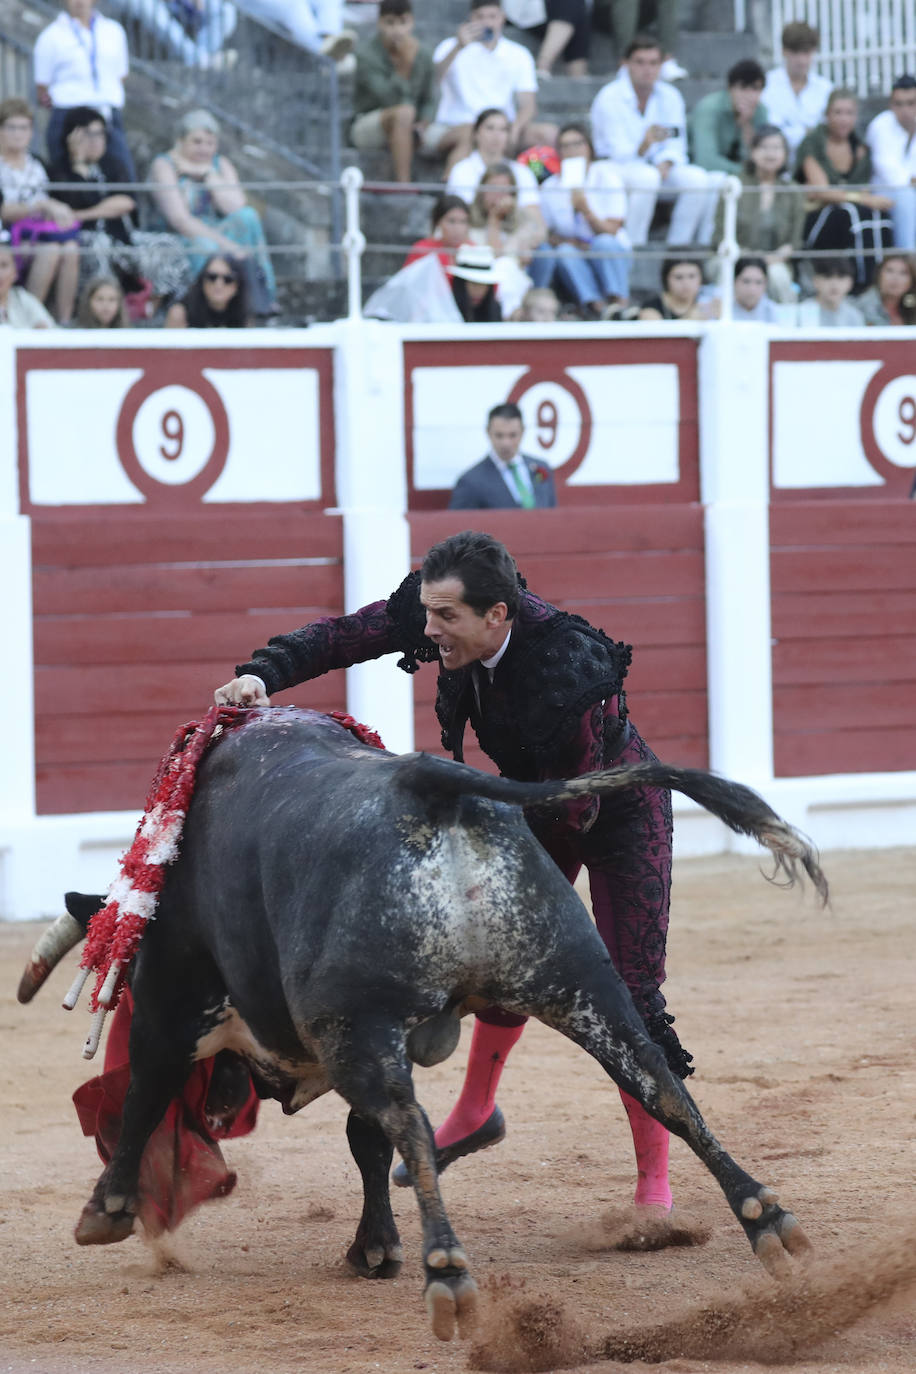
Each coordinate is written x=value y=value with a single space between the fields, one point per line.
x=242 y=691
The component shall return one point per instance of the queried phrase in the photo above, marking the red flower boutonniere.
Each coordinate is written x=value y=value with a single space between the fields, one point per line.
x=539 y=475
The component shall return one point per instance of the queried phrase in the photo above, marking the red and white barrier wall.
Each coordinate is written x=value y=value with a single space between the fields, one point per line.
x=734 y=501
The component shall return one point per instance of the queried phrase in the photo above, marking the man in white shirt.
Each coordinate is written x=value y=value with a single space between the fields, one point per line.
x=796 y=97
x=640 y=123
x=81 y=59
x=891 y=137
x=479 y=69
x=505 y=479
x=584 y=207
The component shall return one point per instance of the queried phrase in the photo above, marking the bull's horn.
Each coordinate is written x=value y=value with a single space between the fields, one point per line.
x=57 y=941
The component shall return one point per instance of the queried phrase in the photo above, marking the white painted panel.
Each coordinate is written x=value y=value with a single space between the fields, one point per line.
x=635 y=417
x=72 y=415
x=816 y=435
x=274 y=435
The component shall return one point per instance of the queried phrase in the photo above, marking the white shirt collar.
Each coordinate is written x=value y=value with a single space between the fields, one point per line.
x=490 y=663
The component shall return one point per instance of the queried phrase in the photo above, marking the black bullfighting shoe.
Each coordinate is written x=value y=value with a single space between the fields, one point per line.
x=490 y=1133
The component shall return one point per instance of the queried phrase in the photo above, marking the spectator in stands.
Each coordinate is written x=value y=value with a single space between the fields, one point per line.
x=218 y=299
x=18 y=307
x=722 y=124
x=81 y=59
x=640 y=122
x=770 y=219
x=682 y=281
x=892 y=298
x=199 y=197
x=563 y=27
x=102 y=305
x=314 y=24
x=491 y=144
x=478 y=69
x=661 y=16
x=539 y=306
x=751 y=301
x=449 y=229
x=194 y=31
x=44 y=231
x=794 y=95
x=844 y=216
x=833 y=279
x=394 y=95
x=474 y=284
x=891 y=136
x=495 y=221
x=143 y=261
x=587 y=247
x=505 y=478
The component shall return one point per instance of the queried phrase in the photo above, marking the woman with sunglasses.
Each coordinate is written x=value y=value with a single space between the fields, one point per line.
x=218 y=299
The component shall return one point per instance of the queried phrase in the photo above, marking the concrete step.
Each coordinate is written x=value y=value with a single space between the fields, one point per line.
x=711 y=54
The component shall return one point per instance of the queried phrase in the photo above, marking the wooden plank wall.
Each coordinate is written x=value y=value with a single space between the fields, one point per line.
x=635 y=571
x=843 y=586
x=138 y=616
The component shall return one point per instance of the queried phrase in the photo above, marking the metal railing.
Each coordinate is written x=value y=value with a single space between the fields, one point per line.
x=15 y=68
x=865 y=44
x=346 y=254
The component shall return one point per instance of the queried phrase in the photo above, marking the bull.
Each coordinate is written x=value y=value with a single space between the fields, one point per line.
x=336 y=908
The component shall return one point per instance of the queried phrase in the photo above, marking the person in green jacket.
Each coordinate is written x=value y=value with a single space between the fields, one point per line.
x=394 y=96
x=722 y=125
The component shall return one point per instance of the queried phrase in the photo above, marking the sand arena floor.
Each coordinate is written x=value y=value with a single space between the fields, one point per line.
x=802 y=1025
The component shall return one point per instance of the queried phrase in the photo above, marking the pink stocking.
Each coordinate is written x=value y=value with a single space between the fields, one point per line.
x=490 y=1048
x=650 y=1141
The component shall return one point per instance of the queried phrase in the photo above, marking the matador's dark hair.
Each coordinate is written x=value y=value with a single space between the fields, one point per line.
x=482 y=564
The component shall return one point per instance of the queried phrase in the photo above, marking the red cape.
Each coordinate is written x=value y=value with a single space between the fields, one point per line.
x=182 y=1164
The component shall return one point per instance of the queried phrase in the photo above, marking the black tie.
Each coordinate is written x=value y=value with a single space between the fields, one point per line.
x=482 y=683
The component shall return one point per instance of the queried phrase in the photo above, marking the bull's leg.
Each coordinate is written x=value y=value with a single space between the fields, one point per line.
x=162 y=1043
x=376 y=1251
x=599 y=1017
x=367 y=1064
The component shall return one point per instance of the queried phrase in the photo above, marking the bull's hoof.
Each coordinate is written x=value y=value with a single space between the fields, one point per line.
x=96 y=1227
x=775 y=1235
x=451 y=1300
x=375 y=1261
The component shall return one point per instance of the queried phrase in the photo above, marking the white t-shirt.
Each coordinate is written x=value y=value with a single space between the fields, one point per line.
x=893 y=151
x=464 y=179
x=480 y=79
x=795 y=114
x=82 y=66
x=604 y=191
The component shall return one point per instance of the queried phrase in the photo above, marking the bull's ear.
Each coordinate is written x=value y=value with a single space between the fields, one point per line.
x=82 y=906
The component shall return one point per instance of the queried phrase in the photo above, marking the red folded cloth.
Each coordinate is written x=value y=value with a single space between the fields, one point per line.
x=182 y=1164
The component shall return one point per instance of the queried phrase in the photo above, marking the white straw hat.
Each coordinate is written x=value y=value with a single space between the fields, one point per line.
x=475 y=262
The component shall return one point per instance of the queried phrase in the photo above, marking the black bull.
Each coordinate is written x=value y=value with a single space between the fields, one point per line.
x=335 y=908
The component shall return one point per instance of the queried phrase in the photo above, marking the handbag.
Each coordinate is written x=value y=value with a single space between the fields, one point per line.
x=525 y=14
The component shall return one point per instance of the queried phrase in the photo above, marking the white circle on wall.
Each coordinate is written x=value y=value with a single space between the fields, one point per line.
x=894 y=422
x=553 y=423
x=173 y=435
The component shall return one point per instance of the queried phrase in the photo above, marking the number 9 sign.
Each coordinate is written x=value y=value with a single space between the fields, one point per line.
x=172 y=436
x=557 y=418
x=888 y=424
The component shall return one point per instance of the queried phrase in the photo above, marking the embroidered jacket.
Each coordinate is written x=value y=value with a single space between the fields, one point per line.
x=555 y=707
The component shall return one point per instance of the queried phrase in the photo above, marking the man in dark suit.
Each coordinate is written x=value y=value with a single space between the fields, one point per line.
x=505 y=479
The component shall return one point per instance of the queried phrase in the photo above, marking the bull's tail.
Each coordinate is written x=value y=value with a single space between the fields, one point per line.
x=740 y=808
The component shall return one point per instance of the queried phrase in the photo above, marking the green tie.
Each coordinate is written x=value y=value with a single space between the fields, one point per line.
x=525 y=494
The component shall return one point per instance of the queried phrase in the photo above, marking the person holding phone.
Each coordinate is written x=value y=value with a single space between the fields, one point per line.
x=587 y=249
x=480 y=69
x=640 y=121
